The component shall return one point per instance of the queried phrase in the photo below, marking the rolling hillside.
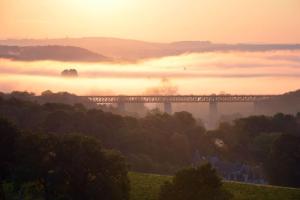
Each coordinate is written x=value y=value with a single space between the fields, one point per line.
x=55 y=52
x=133 y=50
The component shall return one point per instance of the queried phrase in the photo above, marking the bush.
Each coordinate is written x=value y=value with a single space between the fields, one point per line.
x=195 y=184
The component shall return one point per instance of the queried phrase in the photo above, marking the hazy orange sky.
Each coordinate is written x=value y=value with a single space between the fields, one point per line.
x=264 y=21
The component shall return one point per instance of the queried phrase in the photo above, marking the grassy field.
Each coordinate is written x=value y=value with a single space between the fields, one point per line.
x=146 y=187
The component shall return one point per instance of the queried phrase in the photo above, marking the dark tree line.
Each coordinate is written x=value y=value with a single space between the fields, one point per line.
x=162 y=143
x=156 y=143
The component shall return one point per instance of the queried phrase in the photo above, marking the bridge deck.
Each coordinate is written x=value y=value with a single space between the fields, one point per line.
x=179 y=98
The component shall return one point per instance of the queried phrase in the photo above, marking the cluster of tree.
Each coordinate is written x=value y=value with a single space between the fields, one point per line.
x=70 y=99
x=156 y=143
x=251 y=138
x=272 y=142
x=42 y=166
x=49 y=97
x=162 y=143
x=71 y=73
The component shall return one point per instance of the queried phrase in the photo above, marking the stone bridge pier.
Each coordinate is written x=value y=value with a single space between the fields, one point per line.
x=168 y=107
x=121 y=106
x=213 y=114
x=255 y=108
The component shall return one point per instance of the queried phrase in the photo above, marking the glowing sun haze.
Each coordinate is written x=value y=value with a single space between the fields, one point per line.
x=221 y=21
x=268 y=21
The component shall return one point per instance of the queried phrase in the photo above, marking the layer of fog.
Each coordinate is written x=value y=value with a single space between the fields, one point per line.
x=204 y=73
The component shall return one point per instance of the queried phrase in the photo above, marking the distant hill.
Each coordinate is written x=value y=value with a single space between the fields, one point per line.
x=55 y=52
x=133 y=50
x=286 y=103
x=129 y=50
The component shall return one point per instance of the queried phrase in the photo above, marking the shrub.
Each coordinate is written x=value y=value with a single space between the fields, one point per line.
x=200 y=183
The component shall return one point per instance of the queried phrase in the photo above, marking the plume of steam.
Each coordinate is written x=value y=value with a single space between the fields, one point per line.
x=165 y=87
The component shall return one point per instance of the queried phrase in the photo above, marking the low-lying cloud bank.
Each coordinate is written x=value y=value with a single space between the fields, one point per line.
x=238 y=64
x=188 y=72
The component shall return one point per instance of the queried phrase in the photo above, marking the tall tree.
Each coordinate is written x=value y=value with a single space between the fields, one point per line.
x=8 y=137
x=283 y=164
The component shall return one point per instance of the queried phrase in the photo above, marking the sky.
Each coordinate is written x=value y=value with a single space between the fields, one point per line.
x=226 y=21
x=229 y=21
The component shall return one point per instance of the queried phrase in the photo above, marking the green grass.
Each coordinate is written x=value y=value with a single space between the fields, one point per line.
x=147 y=186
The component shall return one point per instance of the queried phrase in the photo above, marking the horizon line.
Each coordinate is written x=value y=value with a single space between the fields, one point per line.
x=147 y=41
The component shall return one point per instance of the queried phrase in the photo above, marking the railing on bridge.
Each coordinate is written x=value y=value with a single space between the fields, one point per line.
x=178 y=98
x=213 y=100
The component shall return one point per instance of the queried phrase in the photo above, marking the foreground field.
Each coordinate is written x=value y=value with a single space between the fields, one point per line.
x=146 y=187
